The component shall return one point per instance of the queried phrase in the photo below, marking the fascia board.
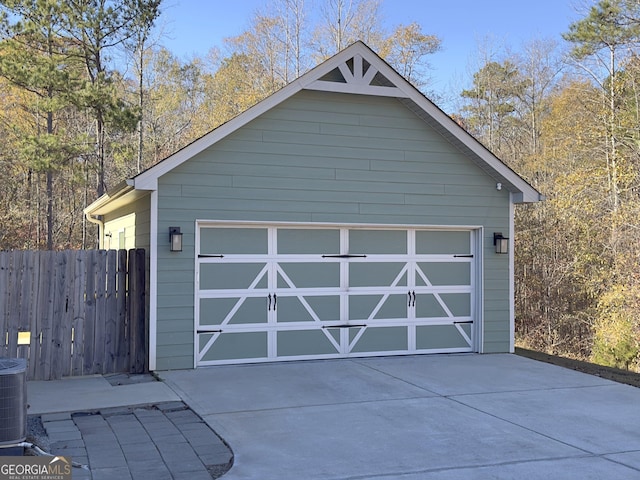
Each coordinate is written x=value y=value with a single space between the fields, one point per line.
x=107 y=198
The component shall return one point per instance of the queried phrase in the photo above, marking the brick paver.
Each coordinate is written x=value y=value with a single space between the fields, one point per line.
x=164 y=441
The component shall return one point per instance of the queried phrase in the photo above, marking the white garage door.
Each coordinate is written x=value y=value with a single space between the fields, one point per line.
x=266 y=293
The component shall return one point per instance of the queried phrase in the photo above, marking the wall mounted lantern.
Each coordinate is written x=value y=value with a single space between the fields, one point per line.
x=175 y=239
x=501 y=243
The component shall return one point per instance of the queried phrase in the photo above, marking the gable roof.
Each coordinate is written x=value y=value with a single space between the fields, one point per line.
x=357 y=70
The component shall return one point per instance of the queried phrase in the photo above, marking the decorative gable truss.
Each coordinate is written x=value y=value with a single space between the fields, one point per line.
x=358 y=76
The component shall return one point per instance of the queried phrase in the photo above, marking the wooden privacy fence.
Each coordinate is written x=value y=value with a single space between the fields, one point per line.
x=74 y=312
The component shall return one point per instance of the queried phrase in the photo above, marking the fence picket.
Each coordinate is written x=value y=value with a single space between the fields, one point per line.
x=5 y=269
x=101 y=310
x=110 y=315
x=90 y=313
x=122 y=338
x=46 y=292
x=67 y=313
x=59 y=321
x=78 y=307
x=26 y=305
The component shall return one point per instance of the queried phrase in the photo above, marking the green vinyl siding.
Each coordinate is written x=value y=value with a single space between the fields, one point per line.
x=331 y=158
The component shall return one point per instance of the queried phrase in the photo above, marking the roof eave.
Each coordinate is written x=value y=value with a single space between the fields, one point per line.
x=122 y=194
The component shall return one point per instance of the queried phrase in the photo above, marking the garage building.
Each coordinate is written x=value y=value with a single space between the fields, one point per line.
x=345 y=215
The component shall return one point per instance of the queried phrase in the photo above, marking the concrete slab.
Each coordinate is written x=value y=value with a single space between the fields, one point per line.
x=92 y=393
x=471 y=373
x=282 y=385
x=563 y=469
x=600 y=420
x=422 y=417
x=364 y=439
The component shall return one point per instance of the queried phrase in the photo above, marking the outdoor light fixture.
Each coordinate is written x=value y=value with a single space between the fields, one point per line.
x=175 y=239
x=501 y=243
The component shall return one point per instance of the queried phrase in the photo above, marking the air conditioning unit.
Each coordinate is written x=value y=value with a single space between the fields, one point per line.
x=13 y=400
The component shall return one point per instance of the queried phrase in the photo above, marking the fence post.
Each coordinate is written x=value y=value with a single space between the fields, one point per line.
x=137 y=311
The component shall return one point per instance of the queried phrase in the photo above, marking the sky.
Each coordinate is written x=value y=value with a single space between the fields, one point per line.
x=192 y=27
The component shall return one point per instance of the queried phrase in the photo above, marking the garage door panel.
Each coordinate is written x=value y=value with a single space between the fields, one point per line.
x=310 y=308
x=430 y=306
x=378 y=307
x=438 y=305
x=326 y=308
x=370 y=242
x=233 y=276
x=232 y=311
x=443 y=337
x=228 y=241
x=459 y=304
x=443 y=273
x=377 y=274
x=232 y=346
x=378 y=339
x=296 y=241
x=436 y=242
x=308 y=275
x=292 y=343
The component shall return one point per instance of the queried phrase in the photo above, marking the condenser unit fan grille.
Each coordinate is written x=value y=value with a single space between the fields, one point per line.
x=13 y=400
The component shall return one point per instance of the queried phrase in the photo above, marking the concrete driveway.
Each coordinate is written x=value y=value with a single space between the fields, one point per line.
x=420 y=417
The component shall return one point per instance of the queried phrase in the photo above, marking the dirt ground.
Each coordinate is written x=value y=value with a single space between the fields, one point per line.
x=615 y=374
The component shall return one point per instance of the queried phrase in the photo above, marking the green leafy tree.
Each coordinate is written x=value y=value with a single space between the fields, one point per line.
x=600 y=41
x=139 y=46
x=493 y=98
x=97 y=27
x=37 y=58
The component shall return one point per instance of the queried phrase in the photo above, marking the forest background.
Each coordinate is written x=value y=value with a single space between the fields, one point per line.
x=89 y=96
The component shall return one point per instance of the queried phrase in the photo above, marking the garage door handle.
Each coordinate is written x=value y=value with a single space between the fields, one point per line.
x=412 y=302
x=344 y=256
x=275 y=302
x=463 y=256
x=204 y=255
x=458 y=323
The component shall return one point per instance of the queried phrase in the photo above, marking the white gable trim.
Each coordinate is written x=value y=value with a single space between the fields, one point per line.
x=356 y=89
x=356 y=81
